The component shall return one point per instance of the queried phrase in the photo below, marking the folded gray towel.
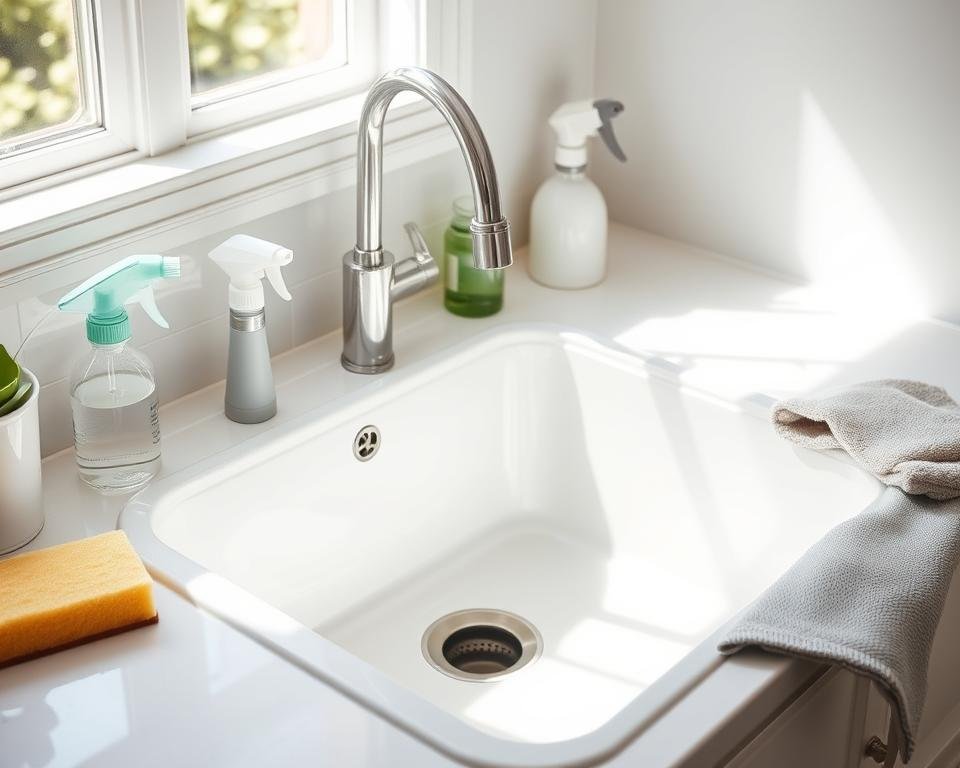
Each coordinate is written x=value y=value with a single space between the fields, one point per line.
x=868 y=596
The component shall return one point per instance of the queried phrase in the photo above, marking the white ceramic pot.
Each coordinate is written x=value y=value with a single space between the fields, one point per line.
x=21 y=494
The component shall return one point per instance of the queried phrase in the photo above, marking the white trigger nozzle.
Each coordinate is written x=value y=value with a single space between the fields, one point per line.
x=145 y=298
x=577 y=121
x=275 y=276
x=247 y=260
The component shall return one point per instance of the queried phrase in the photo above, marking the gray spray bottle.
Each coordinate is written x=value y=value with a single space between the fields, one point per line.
x=251 y=396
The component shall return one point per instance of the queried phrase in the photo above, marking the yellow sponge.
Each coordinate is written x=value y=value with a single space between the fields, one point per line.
x=71 y=594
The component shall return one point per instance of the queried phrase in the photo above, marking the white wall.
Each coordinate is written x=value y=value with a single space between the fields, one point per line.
x=529 y=57
x=816 y=137
x=524 y=62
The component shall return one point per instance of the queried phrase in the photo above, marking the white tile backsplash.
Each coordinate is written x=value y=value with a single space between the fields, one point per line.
x=189 y=359
x=56 y=421
x=279 y=318
x=10 y=329
x=317 y=306
x=56 y=341
x=193 y=353
x=318 y=234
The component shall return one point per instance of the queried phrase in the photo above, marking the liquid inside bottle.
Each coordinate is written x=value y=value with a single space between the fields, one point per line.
x=116 y=429
x=468 y=291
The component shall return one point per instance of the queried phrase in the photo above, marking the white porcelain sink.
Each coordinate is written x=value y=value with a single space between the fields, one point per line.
x=534 y=471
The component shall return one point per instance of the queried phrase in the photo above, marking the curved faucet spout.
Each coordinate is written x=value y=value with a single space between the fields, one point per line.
x=372 y=279
x=491 y=231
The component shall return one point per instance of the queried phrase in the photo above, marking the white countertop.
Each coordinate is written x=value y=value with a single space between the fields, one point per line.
x=192 y=691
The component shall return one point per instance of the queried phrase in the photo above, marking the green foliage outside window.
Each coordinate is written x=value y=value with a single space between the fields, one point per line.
x=234 y=39
x=38 y=66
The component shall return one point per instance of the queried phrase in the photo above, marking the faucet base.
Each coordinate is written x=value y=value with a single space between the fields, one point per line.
x=366 y=369
x=367 y=314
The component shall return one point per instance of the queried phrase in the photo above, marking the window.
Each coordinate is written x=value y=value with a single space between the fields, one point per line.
x=84 y=83
x=250 y=57
x=44 y=88
x=181 y=121
x=251 y=40
x=53 y=78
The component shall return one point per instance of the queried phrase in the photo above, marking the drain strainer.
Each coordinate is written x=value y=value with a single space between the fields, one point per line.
x=480 y=645
x=366 y=443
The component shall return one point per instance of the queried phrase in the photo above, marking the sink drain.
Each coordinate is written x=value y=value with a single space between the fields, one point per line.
x=479 y=645
x=366 y=443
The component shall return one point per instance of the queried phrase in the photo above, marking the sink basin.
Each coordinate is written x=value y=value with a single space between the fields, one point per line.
x=534 y=472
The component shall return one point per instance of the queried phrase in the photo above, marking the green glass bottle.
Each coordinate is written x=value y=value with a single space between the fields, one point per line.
x=468 y=291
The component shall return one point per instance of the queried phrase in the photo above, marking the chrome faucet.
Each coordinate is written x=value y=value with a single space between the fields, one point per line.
x=372 y=280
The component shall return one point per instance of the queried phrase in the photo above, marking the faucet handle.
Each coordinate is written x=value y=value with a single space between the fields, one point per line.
x=417 y=272
x=420 y=250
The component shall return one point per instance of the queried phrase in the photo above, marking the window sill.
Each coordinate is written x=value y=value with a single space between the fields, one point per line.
x=203 y=187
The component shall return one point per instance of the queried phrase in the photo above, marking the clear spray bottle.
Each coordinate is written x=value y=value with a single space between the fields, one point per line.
x=113 y=392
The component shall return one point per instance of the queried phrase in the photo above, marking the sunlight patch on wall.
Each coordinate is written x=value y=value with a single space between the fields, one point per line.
x=849 y=248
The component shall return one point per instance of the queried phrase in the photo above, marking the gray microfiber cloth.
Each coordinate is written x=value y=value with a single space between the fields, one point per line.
x=904 y=432
x=868 y=596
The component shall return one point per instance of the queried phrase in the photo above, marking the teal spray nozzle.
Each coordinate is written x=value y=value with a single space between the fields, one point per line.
x=103 y=296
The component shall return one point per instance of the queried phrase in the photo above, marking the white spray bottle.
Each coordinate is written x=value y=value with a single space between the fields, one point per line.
x=250 y=397
x=568 y=218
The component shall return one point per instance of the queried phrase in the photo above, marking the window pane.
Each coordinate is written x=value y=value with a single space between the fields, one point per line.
x=236 y=40
x=41 y=90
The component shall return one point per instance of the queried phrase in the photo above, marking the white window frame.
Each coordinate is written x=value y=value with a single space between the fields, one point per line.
x=173 y=115
x=184 y=184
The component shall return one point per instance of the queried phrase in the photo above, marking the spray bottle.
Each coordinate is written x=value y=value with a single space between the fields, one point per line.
x=250 y=397
x=113 y=391
x=568 y=218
